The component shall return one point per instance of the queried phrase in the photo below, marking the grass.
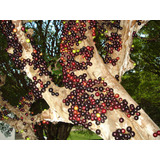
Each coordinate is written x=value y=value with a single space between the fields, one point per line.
x=83 y=135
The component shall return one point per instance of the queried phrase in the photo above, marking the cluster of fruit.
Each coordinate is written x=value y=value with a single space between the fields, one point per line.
x=89 y=99
x=122 y=134
x=37 y=61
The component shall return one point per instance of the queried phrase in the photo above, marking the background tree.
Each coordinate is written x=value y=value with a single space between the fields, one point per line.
x=78 y=40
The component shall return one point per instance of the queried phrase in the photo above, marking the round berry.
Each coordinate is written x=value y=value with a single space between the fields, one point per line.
x=121 y=120
x=158 y=132
x=50 y=89
x=98 y=131
x=154 y=134
x=129 y=129
x=132 y=133
x=136 y=117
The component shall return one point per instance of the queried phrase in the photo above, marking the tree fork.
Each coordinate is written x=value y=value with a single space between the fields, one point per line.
x=144 y=127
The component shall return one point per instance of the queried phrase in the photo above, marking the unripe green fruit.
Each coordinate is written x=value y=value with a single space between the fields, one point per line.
x=27 y=40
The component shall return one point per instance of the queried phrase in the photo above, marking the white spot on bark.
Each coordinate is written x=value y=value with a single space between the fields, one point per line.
x=106 y=133
x=55 y=116
x=149 y=129
x=129 y=33
x=26 y=68
x=139 y=121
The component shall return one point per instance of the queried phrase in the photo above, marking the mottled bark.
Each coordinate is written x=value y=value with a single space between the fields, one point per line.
x=144 y=127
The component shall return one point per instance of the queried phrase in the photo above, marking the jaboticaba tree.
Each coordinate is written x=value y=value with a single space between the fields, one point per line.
x=92 y=95
x=90 y=99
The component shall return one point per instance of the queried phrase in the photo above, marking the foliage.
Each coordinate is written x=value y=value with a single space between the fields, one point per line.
x=142 y=83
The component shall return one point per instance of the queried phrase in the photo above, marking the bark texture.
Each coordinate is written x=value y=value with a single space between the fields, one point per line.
x=144 y=127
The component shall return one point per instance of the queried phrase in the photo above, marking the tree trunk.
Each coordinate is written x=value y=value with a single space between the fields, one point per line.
x=144 y=127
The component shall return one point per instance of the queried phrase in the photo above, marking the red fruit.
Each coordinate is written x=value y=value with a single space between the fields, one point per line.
x=92 y=118
x=43 y=121
x=103 y=111
x=128 y=115
x=99 y=118
x=75 y=112
x=97 y=109
x=92 y=100
x=115 y=107
x=116 y=95
x=158 y=132
x=138 y=113
x=71 y=78
x=97 y=94
x=123 y=130
x=88 y=47
x=103 y=104
x=35 y=51
x=83 y=107
x=23 y=28
x=111 y=108
x=78 y=119
x=119 y=106
x=30 y=93
x=34 y=78
x=92 y=115
x=154 y=134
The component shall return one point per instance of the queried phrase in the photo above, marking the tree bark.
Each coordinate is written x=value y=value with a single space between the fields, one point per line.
x=144 y=127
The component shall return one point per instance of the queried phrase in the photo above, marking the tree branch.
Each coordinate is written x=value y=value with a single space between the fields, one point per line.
x=54 y=102
x=99 y=69
x=144 y=127
x=125 y=63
